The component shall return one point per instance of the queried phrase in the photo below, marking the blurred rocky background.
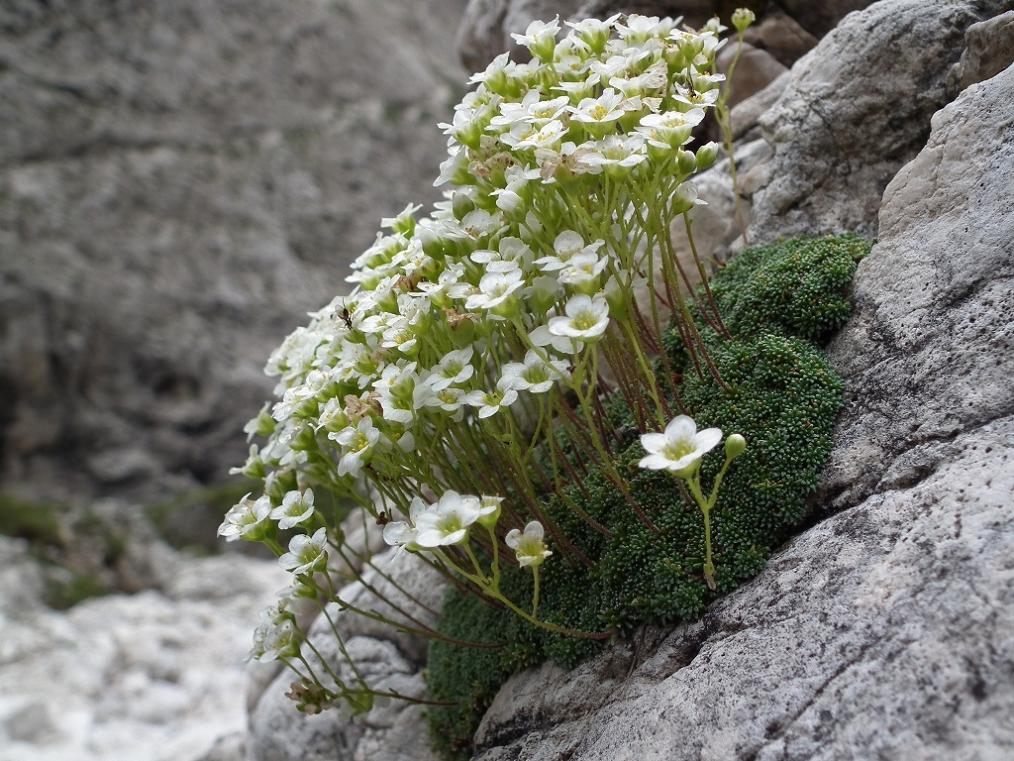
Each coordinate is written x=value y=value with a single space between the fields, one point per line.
x=181 y=181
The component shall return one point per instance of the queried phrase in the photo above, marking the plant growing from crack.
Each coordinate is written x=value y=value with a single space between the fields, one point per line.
x=429 y=400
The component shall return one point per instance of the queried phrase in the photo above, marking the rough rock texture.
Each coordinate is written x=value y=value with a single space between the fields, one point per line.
x=989 y=49
x=153 y=676
x=755 y=70
x=855 y=109
x=786 y=29
x=780 y=35
x=389 y=661
x=884 y=631
x=179 y=183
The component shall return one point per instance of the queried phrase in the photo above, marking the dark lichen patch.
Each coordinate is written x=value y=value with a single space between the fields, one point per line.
x=782 y=396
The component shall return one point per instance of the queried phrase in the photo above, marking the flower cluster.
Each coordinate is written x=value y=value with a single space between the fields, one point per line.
x=471 y=332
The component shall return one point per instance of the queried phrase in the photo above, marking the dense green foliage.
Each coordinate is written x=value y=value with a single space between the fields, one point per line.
x=782 y=397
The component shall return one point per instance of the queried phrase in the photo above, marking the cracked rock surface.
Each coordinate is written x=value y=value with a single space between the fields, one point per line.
x=885 y=630
x=855 y=109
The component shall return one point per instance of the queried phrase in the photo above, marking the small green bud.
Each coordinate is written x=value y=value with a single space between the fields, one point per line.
x=461 y=204
x=686 y=162
x=706 y=156
x=742 y=19
x=735 y=445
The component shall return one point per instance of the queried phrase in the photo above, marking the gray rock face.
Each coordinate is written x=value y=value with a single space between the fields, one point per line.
x=820 y=18
x=884 y=631
x=989 y=49
x=855 y=109
x=388 y=659
x=179 y=183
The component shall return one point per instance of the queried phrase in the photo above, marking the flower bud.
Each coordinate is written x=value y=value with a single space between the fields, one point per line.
x=461 y=204
x=735 y=445
x=706 y=155
x=742 y=19
x=490 y=507
x=686 y=162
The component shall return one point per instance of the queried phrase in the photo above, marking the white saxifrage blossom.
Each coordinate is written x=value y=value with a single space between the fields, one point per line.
x=296 y=508
x=528 y=545
x=447 y=521
x=247 y=519
x=584 y=317
x=356 y=443
x=306 y=554
x=680 y=447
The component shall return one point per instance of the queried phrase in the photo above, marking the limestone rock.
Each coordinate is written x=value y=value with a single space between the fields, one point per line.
x=989 y=49
x=179 y=184
x=856 y=108
x=755 y=70
x=780 y=35
x=746 y=114
x=820 y=18
x=884 y=631
x=388 y=659
x=156 y=676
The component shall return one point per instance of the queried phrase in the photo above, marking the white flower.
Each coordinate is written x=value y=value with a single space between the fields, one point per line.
x=535 y=374
x=529 y=547
x=448 y=399
x=356 y=442
x=540 y=38
x=403 y=220
x=594 y=32
x=603 y=110
x=395 y=388
x=680 y=448
x=306 y=553
x=585 y=318
x=495 y=288
x=638 y=27
x=672 y=128
x=296 y=507
x=652 y=80
x=623 y=152
x=695 y=98
x=402 y=534
x=275 y=638
x=447 y=521
x=566 y=245
x=583 y=271
x=489 y=510
x=453 y=368
x=545 y=111
x=524 y=136
x=247 y=519
x=491 y=402
x=541 y=337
